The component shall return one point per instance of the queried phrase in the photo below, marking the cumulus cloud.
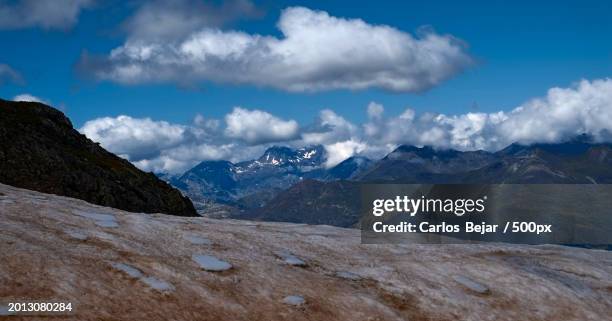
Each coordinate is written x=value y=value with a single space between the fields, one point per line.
x=257 y=127
x=47 y=14
x=8 y=74
x=337 y=152
x=315 y=52
x=585 y=107
x=169 y=20
x=133 y=138
x=28 y=97
x=375 y=110
x=329 y=127
x=160 y=146
x=563 y=113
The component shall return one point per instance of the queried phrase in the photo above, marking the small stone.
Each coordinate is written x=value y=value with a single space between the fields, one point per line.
x=294 y=300
x=211 y=263
x=471 y=284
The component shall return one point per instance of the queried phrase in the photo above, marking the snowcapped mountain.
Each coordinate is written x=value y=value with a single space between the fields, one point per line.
x=250 y=183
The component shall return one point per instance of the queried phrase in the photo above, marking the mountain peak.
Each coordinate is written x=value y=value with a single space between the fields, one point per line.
x=283 y=155
x=572 y=146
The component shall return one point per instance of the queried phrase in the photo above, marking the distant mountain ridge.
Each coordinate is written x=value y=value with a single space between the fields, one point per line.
x=577 y=161
x=41 y=151
x=249 y=183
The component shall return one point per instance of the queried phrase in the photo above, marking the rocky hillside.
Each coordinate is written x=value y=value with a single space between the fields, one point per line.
x=115 y=265
x=40 y=150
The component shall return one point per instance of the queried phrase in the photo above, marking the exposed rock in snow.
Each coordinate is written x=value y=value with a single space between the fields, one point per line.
x=398 y=282
x=211 y=263
x=294 y=300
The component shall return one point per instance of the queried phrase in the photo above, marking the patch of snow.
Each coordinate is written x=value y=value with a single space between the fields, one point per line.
x=4 y=310
x=79 y=235
x=348 y=275
x=294 y=300
x=157 y=284
x=106 y=223
x=290 y=259
x=211 y=263
x=128 y=269
x=196 y=240
x=135 y=273
x=102 y=220
x=309 y=154
x=471 y=284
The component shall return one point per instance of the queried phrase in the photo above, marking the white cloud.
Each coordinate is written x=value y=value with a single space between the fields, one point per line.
x=337 y=152
x=316 y=52
x=28 y=97
x=9 y=74
x=329 y=127
x=585 y=107
x=375 y=110
x=136 y=139
x=160 y=146
x=170 y=20
x=258 y=127
x=47 y=14
x=563 y=113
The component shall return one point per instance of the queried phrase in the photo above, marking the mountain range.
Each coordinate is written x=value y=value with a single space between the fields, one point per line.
x=293 y=185
x=40 y=150
x=250 y=184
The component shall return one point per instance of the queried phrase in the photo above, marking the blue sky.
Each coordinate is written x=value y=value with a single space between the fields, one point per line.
x=522 y=48
x=519 y=50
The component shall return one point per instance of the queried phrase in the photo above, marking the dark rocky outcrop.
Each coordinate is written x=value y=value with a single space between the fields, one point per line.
x=40 y=150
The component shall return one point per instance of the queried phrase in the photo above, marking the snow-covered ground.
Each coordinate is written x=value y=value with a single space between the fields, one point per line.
x=115 y=265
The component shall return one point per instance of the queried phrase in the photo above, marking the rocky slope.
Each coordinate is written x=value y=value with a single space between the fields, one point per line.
x=40 y=150
x=115 y=265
